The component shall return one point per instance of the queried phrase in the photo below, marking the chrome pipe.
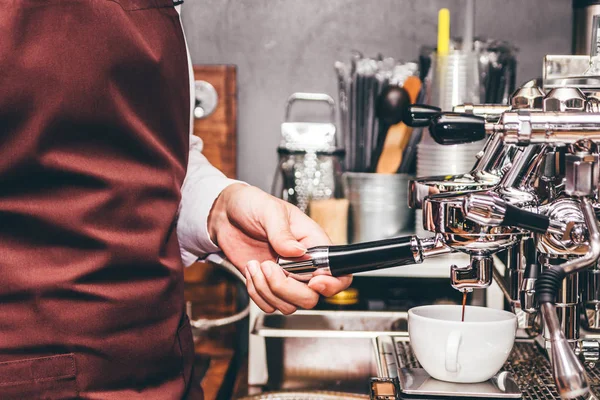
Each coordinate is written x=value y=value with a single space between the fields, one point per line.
x=556 y=128
x=593 y=254
x=502 y=285
x=568 y=371
x=569 y=374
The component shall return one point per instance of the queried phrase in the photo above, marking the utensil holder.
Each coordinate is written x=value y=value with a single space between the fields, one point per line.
x=378 y=205
x=456 y=80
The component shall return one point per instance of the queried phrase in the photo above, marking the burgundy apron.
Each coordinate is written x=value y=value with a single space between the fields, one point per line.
x=94 y=118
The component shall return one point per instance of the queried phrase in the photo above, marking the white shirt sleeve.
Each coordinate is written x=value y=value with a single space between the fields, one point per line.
x=202 y=185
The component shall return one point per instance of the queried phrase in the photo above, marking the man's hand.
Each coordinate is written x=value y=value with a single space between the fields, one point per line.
x=252 y=228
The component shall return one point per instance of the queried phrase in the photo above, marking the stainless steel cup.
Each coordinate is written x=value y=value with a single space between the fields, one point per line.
x=378 y=205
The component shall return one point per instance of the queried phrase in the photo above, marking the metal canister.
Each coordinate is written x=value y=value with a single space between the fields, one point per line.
x=378 y=206
x=591 y=298
x=583 y=15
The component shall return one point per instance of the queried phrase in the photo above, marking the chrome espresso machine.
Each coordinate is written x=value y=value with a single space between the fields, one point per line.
x=533 y=192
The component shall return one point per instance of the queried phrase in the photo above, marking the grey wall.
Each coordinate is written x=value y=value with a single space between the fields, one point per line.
x=286 y=46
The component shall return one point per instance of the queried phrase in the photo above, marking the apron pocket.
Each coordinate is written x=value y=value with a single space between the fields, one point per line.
x=186 y=345
x=133 y=5
x=44 y=378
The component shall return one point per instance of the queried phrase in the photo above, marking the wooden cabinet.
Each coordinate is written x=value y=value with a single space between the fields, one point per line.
x=211 y=290
x=218 y=130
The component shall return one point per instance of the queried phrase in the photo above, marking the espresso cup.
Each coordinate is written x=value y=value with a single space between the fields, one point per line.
x=464 y=352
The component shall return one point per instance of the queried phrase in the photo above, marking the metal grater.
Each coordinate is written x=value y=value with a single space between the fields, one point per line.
x=309 y=161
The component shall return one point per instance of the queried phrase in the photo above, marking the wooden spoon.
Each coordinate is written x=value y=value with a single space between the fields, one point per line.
x=398 y=135
x=392 y=105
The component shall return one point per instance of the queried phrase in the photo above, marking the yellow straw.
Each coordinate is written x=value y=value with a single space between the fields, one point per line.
x=443 y=44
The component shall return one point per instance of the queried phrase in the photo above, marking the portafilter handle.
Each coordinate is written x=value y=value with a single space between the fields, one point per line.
x=362 y=257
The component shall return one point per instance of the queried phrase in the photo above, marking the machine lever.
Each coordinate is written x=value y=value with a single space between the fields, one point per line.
x=455 y=128
x=491 y=210
x=420 y=115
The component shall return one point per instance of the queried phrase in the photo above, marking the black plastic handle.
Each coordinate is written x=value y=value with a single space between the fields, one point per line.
x=532 y=271
x=525 y=219
x=420 y=115
x=456 y=128
x=370 y=256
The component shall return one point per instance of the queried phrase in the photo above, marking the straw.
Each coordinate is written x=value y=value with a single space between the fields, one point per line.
x=443 y=45
x=468 y=28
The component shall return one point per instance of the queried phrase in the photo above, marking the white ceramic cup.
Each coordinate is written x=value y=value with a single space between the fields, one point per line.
x=464 y=352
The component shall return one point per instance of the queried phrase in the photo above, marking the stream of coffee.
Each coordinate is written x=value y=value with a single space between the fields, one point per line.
x=464 y=303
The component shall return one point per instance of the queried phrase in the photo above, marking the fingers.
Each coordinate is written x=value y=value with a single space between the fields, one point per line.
x=273 y=288
x=305 y=229
x=260 y=302
x=279 y=234
x=328 y=285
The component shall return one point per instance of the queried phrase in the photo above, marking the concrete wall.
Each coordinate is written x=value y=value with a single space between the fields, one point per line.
x=285 y=46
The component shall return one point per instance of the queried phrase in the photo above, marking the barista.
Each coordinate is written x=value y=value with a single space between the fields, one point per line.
x=103 y=192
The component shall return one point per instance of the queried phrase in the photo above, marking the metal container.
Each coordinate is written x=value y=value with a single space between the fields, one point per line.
x=378 y=205
x=456 y=80
x=591 y=298
x=310 y=164
x=328 y=350
x=303 y=176
x=583 y=14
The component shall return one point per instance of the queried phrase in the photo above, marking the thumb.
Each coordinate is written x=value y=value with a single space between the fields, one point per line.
x=279 y=234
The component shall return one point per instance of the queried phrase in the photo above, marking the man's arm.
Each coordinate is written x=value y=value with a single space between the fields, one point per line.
x=202 y=185
x=249 y=225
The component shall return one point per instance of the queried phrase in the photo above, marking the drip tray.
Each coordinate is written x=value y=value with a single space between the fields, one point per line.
x=417 y=382
x=527 y=374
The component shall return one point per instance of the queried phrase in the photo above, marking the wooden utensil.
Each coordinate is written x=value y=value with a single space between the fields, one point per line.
x=392 y=103
x=398 y=135
x=412 y=85
x=391 y=156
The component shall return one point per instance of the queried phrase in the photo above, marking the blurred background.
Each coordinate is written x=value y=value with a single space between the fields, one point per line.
x=286 y=46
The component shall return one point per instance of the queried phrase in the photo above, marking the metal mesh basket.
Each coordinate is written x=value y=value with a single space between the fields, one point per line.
x=528 y=365
x=308 y=395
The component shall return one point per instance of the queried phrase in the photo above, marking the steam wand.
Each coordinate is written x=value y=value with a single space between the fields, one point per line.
x=568 y=372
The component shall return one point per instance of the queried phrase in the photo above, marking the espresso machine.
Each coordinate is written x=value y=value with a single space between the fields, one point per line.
x=532 y=195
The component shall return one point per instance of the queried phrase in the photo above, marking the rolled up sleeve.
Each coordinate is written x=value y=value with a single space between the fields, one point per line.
x=202 y=185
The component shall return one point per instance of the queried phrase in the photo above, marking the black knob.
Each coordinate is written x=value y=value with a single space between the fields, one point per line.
x=392 y=104
x=455 y=128
x=532 y=271
x=420 y=115
x=531 y=221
